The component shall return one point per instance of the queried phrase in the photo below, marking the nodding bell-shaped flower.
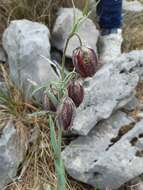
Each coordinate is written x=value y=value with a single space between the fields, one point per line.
x=66 y=113
x=85 y=61
x=76 y=92
x=48 y=104
x=50 y=100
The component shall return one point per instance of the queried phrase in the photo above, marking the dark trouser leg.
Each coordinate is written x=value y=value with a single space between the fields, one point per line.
x=110 y=14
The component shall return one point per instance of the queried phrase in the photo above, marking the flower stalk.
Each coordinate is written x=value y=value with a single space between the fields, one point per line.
x=56 y=142
x=71 y=35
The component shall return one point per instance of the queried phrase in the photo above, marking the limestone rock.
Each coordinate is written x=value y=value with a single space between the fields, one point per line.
x=133 y=104
x=26 y=44
x=63 y=27
x=3 y=90
x=134 y=184
x=12 y=151
x=132 y=6
x=109 y=156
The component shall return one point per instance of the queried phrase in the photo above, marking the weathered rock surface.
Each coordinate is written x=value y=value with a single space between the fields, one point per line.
x=110 y=155
x=111 y=88
x=3 y=90
x=138 y=186
x=134 y=184
x=12 y=151
x=25 y=43
x=133 y=104
x=63 y=27
x=133 y=6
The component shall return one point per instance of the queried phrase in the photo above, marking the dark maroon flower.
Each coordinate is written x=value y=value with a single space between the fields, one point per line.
x=65 y=113
x=50 y=100
x=76 y=92
x=48 y=104
x=85 y=61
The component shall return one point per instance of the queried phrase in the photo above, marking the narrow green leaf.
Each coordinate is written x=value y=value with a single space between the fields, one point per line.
x=60 y=174
x=53 y=136
x=69 y=77
x=3 y=100
x=59 y=140
x=39 y=113
x=85 y=10
x=74 y=12
x=52 y=97
x=38 y=89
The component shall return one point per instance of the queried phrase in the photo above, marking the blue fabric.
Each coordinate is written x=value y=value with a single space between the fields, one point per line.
x=110 y=14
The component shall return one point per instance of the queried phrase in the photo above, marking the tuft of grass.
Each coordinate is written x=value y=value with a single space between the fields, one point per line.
x=35 y=10
x=132 y=31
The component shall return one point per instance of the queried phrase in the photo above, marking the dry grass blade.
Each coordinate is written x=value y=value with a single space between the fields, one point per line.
x=133 y=27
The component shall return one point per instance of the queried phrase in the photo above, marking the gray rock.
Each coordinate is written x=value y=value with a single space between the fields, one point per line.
x=3 y=90
x=123 y=161
x=109 y=156
x=27 y=46
x=134 y=184
x=111 y=88
x=132 y=6
x=133 y=104
x=138 y=186
x=131 y=62
x=2 y=86
x=117 y=120
x=12 y=151
x=2 y=55
x=63 y=27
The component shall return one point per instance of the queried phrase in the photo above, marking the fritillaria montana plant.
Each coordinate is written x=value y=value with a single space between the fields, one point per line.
x=63 y=97
x=76 y=92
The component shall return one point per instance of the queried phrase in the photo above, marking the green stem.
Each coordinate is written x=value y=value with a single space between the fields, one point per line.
x=64 y=56
x=79 y=38
x=56 y=143
x=65 y=49
x=61 y=185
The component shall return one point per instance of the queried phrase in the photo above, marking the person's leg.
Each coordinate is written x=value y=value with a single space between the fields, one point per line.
x=110 y=14
x=110 y=22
